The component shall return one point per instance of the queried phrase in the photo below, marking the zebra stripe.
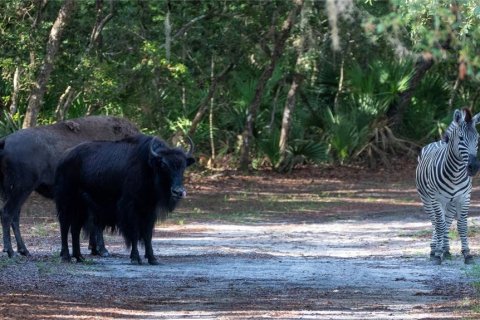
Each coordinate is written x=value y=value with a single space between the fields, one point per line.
x=444 y=182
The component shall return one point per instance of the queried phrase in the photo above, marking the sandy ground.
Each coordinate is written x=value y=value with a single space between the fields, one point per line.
x=359 y=252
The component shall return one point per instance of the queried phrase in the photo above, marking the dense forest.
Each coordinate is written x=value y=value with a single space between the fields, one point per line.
x=254 y=83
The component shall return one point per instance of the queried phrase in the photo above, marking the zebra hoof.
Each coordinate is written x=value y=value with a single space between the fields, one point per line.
x=447 y=255
x=436 y=260
x=469 y=259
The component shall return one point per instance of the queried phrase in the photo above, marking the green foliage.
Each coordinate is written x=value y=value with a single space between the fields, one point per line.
x=9 y=123
x=446 y=30
x=268 y=146
x=429 y=113
x=302 y=151
x=159 y=78
x=347 y=131
x=369 y=91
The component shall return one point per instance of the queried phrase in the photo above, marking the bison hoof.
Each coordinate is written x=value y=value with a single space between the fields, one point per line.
x=101 y=252
x=153 y=261
x=104 y=254
x=24 y=252
x=80 y=258
x=10 y=252
x=469 y=259
x=66 y=258
x=136 y=261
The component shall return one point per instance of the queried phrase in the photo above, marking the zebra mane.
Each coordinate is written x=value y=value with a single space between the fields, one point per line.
x=468 y=115
x=448 y=131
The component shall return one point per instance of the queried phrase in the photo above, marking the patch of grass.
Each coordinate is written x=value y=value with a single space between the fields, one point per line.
x=417 y=234
x=473 y=230
x=413 y=254
x=7 y=262
x=75 y=268
x=453 y=234
x=44 y=229
x=89 y=262
x=48 y=265
x=44 y=268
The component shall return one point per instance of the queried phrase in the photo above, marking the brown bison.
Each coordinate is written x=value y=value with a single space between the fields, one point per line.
x=29 y=157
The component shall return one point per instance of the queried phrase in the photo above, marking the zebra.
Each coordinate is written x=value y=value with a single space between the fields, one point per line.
x=434 y=145
x=444 y=182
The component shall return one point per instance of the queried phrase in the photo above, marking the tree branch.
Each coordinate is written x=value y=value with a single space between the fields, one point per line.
x=185 y=28
x=40 y=86
x=202 y=109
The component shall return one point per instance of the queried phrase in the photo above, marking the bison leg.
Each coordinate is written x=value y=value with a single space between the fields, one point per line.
x=75 y=229
x=134 y=254
x=7 y=244
x=151 y=258
x=149 y=250
x=21 y=248
x=96 y=242
x=11 y=217
x=64 y=253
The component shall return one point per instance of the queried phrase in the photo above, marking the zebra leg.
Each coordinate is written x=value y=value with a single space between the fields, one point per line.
x=433 y=242
x=435 y=212
x=440 y=227
x=450 y=214
x=427 y=207
x=463 y=231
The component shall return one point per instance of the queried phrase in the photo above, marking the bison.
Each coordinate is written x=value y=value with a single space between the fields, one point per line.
x=28 y=159
x=125 y=185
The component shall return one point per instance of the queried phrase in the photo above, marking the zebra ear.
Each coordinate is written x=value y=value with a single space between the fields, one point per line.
x=476 y=119
x=457 y=116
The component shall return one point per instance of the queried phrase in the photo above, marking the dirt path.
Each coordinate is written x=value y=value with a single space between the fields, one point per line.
x=349 y=269
x=330 y=260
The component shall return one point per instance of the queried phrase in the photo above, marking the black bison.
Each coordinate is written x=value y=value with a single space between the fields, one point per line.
x=126 y=185
x=28 y=159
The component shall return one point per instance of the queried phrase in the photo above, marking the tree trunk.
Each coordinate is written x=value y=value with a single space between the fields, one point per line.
x=287 y=122
x=16 y=89
x=40 y=86
x=283 y=163
x=210 y=119
x=279 y=47
x=397 y=110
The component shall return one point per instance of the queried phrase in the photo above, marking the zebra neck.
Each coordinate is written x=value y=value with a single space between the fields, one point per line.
x=453 y=166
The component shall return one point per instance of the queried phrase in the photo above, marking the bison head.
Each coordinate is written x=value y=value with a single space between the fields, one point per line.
x=170 y=164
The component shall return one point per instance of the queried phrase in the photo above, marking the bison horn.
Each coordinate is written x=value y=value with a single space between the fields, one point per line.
x=152 y=151
x=192 y=146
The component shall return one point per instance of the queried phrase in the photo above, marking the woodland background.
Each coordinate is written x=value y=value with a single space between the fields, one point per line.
x=254 y=83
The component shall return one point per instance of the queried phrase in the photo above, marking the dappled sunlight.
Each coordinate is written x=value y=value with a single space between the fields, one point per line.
x=27 y=305
x=279 y=313
x=297 y=240
x=315 y=199
x=303 y=248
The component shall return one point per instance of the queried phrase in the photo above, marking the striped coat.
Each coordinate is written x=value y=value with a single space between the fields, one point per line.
x=444 y=182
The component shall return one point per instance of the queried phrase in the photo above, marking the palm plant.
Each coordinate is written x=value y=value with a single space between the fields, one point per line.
x=356 y=126
x=9 y=123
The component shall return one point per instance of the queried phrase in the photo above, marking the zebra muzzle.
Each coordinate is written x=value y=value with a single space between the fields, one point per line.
x=473 y=165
